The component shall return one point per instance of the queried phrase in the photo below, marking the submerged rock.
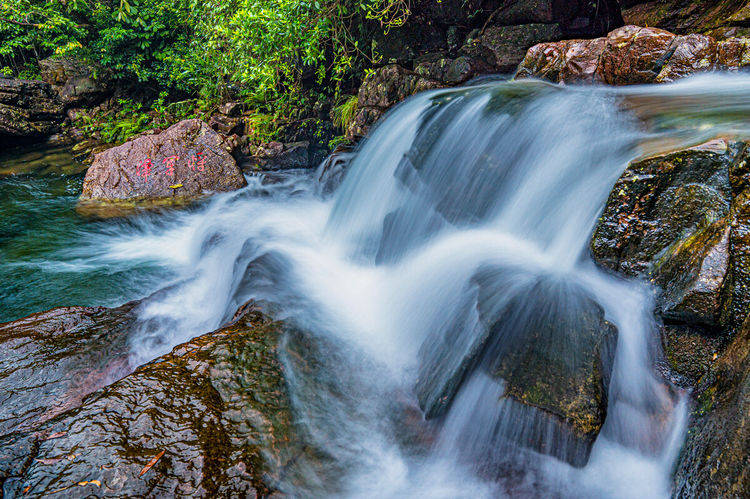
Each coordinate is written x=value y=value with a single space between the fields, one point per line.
x=183 y=162
x=211 y=418
x=550 y=345
x=29 y=110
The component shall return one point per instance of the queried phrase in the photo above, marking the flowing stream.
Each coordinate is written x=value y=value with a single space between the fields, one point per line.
x=462 y=204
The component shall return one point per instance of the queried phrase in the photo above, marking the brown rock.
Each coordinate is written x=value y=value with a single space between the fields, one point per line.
x=692 y=54
x=51 y=360
x=185 y=161
x=733 y=54
x=569 y=61
x=634 y=55
x=508 y=44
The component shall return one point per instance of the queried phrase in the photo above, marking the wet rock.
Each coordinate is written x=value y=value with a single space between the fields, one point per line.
x=690 y=351
x=274 y=156
x=713 y=461
x=569 y=61
x=660 y=201
x=686 y=16
x=51 y=360
x=555 y=361
x=634 y=55
x=29 y=110
x=183 y=162
x=692 y=54
x=77 y=83
x=733 y=54
x=691 y=274
x=212 y=418
x=382 y=89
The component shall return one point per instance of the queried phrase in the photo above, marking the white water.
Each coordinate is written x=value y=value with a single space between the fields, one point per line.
x=503 y=176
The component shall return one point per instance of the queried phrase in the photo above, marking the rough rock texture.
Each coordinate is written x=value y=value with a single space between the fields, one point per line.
x=503 y=47
x=690 y=351
x=29 y=110
x=685 y=16
x=657 y=201
x=714 y=460
x=51 y=360
x=76 y=83
x=184 y=161
x=554 y=361
x=683 y=219
x=210 y=419
x=382 y=89
x=277 y=156
x=448 y=43
x=633 y=55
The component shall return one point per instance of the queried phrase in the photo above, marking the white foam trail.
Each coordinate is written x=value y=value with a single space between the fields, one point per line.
x=503 y=175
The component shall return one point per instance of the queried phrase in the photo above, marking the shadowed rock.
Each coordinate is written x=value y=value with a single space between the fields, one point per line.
x=29 y=110
x=549 y=343
x=714 y=460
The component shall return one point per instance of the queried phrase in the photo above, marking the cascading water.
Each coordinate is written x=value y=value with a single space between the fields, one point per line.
x=458 y=240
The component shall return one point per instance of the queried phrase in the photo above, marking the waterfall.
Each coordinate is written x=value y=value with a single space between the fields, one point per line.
x=445 y=287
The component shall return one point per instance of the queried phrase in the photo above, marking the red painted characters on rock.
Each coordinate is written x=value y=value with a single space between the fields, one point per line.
x=169 y=163
x=197 y=162
x=144 y=169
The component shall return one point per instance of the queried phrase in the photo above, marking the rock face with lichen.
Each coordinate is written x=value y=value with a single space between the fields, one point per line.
x=29 y=110
x=211 y=418
x=714 y=460
x=683 y=220
x=185 y=161
x=633 y=55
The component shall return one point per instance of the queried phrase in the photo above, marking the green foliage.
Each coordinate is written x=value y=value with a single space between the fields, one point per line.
x=344 y=113
x=283 y=57
x=132 y=118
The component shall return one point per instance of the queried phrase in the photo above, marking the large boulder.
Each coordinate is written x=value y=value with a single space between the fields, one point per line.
x=29 y=110
x=183 y=162
x=77 y=83
x=554 y=362
x=683 y=220
x=51 y=360
x=633 y=55
x=383 y=89
x=211 y=418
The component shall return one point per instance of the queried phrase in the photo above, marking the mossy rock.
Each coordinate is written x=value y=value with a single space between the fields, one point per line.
x=211 y=418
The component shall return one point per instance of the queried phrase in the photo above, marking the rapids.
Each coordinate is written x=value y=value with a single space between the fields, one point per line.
x=509 y=176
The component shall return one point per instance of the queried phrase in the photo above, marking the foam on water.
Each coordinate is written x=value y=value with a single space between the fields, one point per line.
x=508 y=176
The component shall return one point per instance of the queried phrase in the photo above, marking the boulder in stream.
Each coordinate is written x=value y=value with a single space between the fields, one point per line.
x=549 y=344
x=185 y=161
x=714 y=459
x=211 y=418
